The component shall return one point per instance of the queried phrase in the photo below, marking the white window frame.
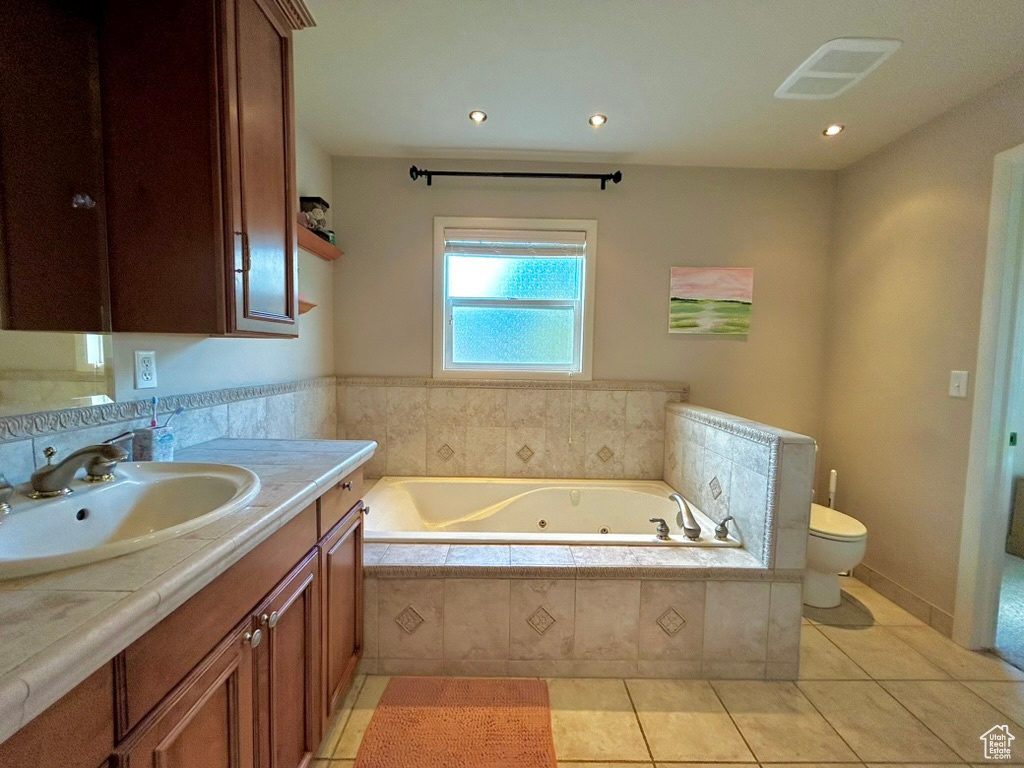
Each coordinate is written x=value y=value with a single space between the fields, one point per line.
x=442 y=336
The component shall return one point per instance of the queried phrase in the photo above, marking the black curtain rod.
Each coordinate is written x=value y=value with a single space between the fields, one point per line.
x=416 y=173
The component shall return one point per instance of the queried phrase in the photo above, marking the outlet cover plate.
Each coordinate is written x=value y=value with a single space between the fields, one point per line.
x=145 y=369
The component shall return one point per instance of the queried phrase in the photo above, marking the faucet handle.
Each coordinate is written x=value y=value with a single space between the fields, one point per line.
x=49 y=452
x=6 y=492
x=663 y=529
x=722 y=529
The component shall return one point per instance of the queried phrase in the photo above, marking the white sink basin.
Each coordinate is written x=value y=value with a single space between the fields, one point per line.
x=149 y=502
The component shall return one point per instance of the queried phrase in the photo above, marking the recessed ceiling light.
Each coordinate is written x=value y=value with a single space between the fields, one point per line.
x=478 y=116
x=834 y=130
x=598 y=119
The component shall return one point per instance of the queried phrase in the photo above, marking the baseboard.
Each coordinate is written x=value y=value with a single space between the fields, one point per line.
x=907 y=600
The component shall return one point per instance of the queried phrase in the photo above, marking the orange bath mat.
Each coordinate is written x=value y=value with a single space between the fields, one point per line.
x=451 y=722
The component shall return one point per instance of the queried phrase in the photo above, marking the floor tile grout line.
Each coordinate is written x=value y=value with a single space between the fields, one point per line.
x=344 y=725
x=639 y=722
x=828 y=722
x=961 y=683
x=732 y=719
x=841 y=651
x=924 y=725
x=899 y=640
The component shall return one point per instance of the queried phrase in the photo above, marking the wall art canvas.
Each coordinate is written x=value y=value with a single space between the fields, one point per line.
x=711 y=300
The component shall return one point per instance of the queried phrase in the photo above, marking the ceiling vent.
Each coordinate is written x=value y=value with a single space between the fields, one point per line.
x=837 y=66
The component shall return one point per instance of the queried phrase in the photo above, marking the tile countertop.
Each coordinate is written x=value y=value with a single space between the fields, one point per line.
x=58 y=628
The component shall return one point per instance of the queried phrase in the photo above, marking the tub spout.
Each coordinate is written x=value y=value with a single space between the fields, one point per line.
x=685 y=517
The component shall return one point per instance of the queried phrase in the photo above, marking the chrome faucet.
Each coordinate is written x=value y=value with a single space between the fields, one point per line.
x=53 y=479
x=662 y=528
x=6 y=492
x=685 y=517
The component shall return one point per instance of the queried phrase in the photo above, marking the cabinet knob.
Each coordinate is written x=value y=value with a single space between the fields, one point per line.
x=347 y=485
x=272 y=621
x=254 y=638
x=82 y=200
x=366 y=511
x=264 y=619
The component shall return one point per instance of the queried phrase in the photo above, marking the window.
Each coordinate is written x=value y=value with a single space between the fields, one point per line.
x=513 y=298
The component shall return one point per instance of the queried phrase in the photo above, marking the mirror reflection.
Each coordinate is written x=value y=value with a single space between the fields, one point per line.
x=48 y=371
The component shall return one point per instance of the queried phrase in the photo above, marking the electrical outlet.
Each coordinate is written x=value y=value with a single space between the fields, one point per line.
x=145 y=369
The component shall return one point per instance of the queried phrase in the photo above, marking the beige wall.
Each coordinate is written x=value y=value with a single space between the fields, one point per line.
x=37 y=351
x=904 y=294
x=774 y=221
x=194 y=364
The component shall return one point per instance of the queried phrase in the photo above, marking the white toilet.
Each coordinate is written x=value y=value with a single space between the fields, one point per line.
x=835 y=542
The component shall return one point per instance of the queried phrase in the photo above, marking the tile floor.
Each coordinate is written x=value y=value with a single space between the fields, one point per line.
x=877 y=686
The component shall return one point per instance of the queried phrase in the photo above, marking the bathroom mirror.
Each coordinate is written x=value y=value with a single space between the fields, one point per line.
x=51 y=371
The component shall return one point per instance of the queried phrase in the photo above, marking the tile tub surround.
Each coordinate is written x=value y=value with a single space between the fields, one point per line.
x=292 y=411
x=57 y=628
x=836 y=711
x=761 y=475
x=482 y=428
x=586 y=611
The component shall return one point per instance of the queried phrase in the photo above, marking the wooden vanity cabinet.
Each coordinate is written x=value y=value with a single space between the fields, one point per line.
x=76 y=732
x=342 y=567
x=208 y=721
x=288 y=669
x=53 y=260
x=199 y=144
x=244 y=674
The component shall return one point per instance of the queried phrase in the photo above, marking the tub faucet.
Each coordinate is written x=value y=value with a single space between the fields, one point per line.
x=54 y=479
x=685 y=517
x=722 y=529
x=662 y=528
x=6 y=492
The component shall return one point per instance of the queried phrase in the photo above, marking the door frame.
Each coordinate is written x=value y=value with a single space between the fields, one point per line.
x=986 y=506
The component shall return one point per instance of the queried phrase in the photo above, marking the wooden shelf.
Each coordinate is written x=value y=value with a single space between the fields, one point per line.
x=318 y=246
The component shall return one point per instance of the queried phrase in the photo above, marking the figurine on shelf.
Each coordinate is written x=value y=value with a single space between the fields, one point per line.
x=313 y=215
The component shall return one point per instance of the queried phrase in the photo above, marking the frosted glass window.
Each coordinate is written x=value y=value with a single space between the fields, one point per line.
x=512 y=300
x=540 y=336
x=501 y=277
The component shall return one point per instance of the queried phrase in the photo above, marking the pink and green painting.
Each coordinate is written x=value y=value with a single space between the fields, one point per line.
x=713 y=300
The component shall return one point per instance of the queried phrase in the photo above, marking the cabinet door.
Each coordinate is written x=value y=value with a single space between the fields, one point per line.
x=53 y=260
x=342 y=568
x=208 y=720
x=264 y=199
x=288 y=669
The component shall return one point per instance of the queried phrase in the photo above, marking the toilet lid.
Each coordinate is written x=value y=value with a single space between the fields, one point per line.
x=831 y=524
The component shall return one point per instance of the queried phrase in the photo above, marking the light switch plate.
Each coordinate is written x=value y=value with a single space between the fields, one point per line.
x=145 y=369
x=958 y=383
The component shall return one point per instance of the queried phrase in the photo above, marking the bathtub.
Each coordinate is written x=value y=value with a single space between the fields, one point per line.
x=457 y=510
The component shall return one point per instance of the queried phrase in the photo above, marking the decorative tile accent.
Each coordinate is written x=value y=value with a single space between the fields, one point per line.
x=525 y=453
x=409 y=620
x=671 y=622
x=445 y=452
x=45 y=422
x=715 y=486
x=605 y=454
x=541 y=620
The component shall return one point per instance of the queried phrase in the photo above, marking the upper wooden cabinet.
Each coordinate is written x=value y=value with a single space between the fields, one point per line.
x=199 y=147
x=53 y=260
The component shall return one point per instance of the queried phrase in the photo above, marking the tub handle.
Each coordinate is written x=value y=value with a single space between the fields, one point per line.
x=662 y=528
x=722 y=529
